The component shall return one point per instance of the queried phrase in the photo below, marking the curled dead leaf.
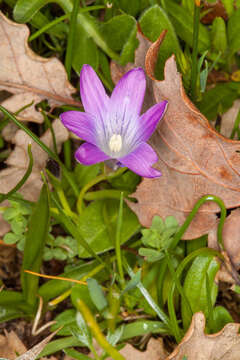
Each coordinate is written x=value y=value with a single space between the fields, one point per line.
x=196 y=345
x=194 y=159
x=29 y=77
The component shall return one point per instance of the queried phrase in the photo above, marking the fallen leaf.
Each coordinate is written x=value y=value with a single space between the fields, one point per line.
x=196 y=345
x=11 y=346
x=18 y=162
x=194 y=159
x=228 y=119
x=27 y=76
x=155 y=351
x=231 y=236
x=215 y=9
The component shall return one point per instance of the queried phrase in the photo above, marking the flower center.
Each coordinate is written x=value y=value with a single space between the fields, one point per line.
x=115 y=143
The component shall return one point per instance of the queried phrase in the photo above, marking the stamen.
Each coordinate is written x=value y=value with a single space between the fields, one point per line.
x=115 y=143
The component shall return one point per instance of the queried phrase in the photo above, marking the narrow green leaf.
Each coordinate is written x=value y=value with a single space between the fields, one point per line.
x=35 y=240
x=233 y=29
x=97 y=295
x=219 y=35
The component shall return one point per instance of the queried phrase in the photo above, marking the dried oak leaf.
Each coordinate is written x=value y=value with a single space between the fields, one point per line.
x=196 y=345
x=194 y=159
x=29 y=77
x=10 y=345
x=18 y=162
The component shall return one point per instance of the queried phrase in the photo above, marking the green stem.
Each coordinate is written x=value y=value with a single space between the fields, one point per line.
x=194 y=211
x=93 y=182
x=71 y=35
x=105 y=194
x=181 y=267
x=47 y=27
x=67 y=154
x=194 y=74
x=118 y=242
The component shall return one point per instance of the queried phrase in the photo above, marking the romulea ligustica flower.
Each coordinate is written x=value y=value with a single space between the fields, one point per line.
x=112 y=126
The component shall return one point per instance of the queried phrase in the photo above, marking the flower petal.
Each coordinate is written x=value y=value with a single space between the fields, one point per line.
x=88 y=154
x=149 y=120
x=140 y=161
x=127 y=98
x=81 y=124
x=93 y=95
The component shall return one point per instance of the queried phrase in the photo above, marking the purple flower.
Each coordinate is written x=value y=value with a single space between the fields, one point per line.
x=113 y=127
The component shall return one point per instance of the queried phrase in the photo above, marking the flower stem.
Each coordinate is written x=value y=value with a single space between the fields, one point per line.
x=118 y=242
x=194 y=211
x=194 y=74
x=93 y=182
x=96 y=331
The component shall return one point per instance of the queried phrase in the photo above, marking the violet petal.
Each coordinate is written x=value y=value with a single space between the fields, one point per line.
x=149 y=121
x=88 y=154
x=127 y=97
x=93 y=95
x=81 y=124
x=140 y=161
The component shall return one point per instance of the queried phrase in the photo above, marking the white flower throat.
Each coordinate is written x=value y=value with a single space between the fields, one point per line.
x=115 y=143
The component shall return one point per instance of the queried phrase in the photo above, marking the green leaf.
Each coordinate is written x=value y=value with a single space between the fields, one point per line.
x=219 y=35
x=60 y=345
x=120 y=35
x=35 y=240
x=183 y=24
x=133 y=282
x=84 y=174
x=128 y=181
x=84 y=50
x=153 y=21
x=222 y=95
x=65 y=320
x=74 y=354
x=221 y=317
x=96 y=294
x=130 y=7
x=82 y=292
x=150 y=254
x=142 y=327
x=83 y=334
x=54 y=288
x=229 y=6
x=195 y=285
x=10 y=238
x=233 y=29
x=97 y=225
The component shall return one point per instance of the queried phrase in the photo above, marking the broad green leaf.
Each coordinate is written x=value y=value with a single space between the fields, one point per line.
x=221 y=317
x=189 y=5
x=59 y=345
x=183 y=24
x=233 y=29
x=120 y=35
x=229 y=6
x=84 y=174
x=195 y=285
x=142 y=327
x=54 y=288
x=65 y=320
x=84 y=50
x=97 y=225
x=219 y=35
x=153 y=21
x=8 y=313
x=36 y=236
x=128 y=181
x=130 y=7
x=96 y=294
x=24 y=10
x=221 y=96
x=82 y=292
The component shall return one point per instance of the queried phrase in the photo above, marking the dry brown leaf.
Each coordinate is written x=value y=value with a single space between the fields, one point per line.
x=11 y=346
x=18 y=162
x=231 y=237
x=194 y=159
x=196 y=345
x=28 y=76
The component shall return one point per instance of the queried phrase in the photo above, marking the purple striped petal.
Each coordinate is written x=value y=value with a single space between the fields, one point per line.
x=149 y=120
x=127 y=97
x=88 y=154
x=140 y=161
x=81 y=124
x=93 y=94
